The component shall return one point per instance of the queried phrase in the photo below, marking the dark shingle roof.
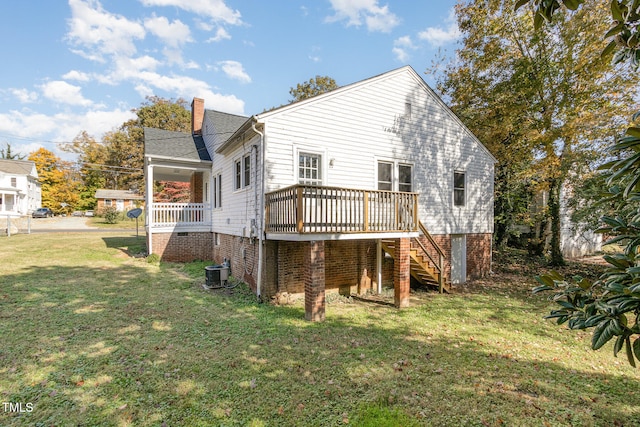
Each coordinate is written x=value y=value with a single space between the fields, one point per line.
x=225 y=124
x=175 y=145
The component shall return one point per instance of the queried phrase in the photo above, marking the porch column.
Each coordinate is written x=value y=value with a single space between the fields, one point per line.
x=314 y=281
x=149 y=208
x=401 y=273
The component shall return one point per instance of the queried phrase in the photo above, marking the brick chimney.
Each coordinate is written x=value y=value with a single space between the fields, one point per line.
x=197 y=116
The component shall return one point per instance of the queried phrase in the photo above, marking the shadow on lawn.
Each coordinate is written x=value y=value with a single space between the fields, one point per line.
x=129 y=343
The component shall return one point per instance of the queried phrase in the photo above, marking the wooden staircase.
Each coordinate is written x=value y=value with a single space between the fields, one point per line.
x=424 y=267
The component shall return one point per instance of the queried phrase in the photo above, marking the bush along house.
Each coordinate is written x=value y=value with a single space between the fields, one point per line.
x=373 y=184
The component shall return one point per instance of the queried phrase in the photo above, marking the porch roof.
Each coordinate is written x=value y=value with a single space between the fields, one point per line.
x=174 y=145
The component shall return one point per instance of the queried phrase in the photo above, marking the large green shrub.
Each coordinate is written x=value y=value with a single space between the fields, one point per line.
x=610 y=305
x=110 y=215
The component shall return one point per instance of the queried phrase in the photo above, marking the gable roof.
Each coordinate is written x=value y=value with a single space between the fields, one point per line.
x=174 y=145
x=388 y=74
x=18 y=167
x=118 y=194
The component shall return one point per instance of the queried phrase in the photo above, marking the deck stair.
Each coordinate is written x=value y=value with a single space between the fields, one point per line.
x=426 y=266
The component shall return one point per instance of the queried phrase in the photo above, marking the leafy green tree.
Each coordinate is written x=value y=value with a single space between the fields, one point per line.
x=92 y=159
x=313 y=87
x=117 y=161
x=624 y=28
x=541 y=108
x=7 y=154
x=610 y=305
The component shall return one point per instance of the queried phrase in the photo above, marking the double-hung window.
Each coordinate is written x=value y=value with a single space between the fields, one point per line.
x=309 y=169
x=386 y=173
x=459 y=188
x=242 y=172
x=404 y=178
x=217 y=191
x=385 y=176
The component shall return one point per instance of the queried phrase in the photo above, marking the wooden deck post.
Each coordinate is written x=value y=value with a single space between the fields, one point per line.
x=299 y=210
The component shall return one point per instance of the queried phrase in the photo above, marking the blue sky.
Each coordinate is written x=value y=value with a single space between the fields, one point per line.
x=82 y=65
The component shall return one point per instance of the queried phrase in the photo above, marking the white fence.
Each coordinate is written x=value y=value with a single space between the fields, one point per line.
x=174 y=214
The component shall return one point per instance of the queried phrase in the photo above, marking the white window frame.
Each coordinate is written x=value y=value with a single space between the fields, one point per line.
x=240 y=181
x=410 y=166
x=217 y=191
x=395 y=174
x=463 y=188
x=321 y=167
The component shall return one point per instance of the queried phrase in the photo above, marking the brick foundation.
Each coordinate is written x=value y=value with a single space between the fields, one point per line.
x=479 y=248
x=401 y=273
x=349 y=265
x=182 y=247
x=314 y=281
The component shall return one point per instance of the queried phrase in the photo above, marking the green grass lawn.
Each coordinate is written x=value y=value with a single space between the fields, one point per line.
x=91 y=336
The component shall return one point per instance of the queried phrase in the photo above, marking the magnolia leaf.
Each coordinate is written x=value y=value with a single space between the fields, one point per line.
x=546 y=281
x=572 y=4
x=603 y=333
x=628 y=347
x=616 y=11
x=636 y=348
x=635 y=132
x=618 y=345
x=541 y=288
x=584 y=283
x=612 y=32
x=520 y=3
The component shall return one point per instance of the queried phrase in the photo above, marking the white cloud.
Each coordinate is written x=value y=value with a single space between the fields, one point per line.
x=24 y=96
x=401 y=48
x=187 y=87
x=216 y=10
x=235 y=70
x=64 y=93
x=173 y=34
x=98 y=32
x=79 y=76
x=375 y=17
x=438 y=36
x=63 y=127
x=221 y=34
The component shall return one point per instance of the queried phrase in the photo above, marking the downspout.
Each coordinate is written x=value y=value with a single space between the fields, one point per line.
x=262 y=219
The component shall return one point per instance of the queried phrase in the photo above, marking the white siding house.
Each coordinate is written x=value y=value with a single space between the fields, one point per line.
x=311 y=195
x=20 y=191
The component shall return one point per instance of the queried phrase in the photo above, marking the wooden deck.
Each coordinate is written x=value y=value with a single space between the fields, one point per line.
x=303 y=209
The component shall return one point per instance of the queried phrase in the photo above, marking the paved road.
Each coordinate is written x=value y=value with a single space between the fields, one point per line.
x=58 y=224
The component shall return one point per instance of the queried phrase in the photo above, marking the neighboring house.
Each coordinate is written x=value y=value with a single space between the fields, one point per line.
x=576 y=240
x=20 y=191
x=122 y=200
x=335 y=192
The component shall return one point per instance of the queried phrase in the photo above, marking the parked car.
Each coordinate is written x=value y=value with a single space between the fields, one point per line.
x=88 y=213
x=77 y=213
x=42 y=213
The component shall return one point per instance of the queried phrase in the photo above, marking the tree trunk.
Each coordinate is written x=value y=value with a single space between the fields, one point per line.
x=554 y=212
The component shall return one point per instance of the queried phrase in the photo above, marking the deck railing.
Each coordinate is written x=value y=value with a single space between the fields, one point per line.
x=176 y=214
x=318 y=209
